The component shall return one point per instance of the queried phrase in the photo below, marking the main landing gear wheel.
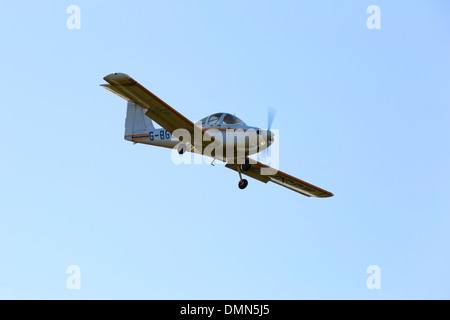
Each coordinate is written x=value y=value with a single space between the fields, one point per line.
x=243 y=184
x=181 y=148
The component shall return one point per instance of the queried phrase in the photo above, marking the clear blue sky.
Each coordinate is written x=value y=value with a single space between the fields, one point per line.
x=362 y=113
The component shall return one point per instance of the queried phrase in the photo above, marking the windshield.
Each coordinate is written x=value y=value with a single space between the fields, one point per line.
x=214 y=118
x=231 y=119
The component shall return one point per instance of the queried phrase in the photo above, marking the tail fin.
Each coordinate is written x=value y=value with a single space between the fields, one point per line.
x=136 y=121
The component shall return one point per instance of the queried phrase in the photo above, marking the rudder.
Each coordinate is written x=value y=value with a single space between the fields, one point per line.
x=136 y=121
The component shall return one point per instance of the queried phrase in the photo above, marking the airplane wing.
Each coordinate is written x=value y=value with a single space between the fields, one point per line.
x=283 y=179
x=167 y=117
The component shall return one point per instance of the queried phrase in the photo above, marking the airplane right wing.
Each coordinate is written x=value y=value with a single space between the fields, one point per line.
x=264 y=173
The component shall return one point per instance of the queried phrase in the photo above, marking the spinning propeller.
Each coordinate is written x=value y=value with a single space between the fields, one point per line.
x=267 y=133
x=270 y=117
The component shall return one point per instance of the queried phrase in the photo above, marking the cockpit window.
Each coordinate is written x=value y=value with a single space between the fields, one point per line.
x=214 y=118
x=230 y=119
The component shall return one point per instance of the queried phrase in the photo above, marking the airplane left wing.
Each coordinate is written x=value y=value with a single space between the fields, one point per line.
x=283 y=179
x=166 y=116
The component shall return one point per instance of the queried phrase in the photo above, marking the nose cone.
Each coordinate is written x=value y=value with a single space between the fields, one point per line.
x=266 y=138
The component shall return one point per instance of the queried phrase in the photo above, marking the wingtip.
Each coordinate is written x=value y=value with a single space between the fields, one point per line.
x=118 y=78
x=325 y=194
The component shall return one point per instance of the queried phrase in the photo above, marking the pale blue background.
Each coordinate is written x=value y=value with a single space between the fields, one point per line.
x=362 y=113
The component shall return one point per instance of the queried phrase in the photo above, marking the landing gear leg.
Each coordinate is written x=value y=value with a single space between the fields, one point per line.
x=246 y=165
x=243 y=183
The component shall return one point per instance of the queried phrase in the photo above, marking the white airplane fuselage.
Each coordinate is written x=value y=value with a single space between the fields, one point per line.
x=222 y=143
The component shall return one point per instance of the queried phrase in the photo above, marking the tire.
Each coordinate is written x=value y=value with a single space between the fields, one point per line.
x=243 y=184
x=181 y=148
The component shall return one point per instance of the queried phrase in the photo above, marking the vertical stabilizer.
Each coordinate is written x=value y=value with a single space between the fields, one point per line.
x=136 y=121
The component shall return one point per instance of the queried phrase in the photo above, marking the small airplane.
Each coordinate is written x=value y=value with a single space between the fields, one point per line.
x=223 y=131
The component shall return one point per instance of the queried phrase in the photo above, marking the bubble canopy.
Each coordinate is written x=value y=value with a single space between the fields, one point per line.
x=219 y=119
